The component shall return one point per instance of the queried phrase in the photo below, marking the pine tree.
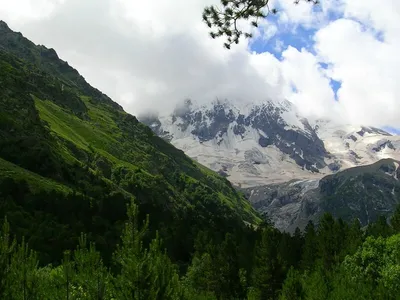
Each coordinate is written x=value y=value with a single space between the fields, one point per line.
x=354 y=238
x=379 y=228
x=328 y=240
x=309 y=253
x=227 y=262
x=266 y=274
x=144 y=273
x=225 y=19
x=217 y=271
x=92 y=280
x=315 y=286
x=395 y=220
x=292 y=286
x=6 y=249
x=24 y=283
x=340 y=234
x=201 y=276
x=68 y=273
x=165 y=283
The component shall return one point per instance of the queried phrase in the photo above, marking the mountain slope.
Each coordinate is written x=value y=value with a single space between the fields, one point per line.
x=71 y=159
x=251 y=145
x=271 y=142
x=364 y=192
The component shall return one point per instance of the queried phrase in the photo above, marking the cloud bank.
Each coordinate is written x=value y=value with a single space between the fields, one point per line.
x=154 y=54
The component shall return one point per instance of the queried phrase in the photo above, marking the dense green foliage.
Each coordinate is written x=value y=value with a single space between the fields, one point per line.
x=346 y=263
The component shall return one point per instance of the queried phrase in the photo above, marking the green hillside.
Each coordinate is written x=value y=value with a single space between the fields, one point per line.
x=62 y=142
x=365 y=192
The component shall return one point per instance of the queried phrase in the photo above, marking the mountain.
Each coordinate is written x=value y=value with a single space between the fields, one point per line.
x=71 y=160
x=285 y=162
x=365 y=193
x=271 y=142
x=247 y=145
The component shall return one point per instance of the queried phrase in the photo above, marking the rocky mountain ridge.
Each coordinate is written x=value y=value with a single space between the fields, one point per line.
x=364 y=193
x=291 y=169
x=269 y=142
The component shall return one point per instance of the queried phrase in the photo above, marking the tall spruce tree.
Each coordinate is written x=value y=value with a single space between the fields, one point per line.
x=309 y=253
x=145 y=273
x=7 y=247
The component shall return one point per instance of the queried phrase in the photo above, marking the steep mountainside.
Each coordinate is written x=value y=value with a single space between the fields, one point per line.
x=71 y=159
x=271 y=142
x=365 y=193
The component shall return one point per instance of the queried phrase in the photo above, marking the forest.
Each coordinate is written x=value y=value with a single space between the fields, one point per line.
x=333 y=260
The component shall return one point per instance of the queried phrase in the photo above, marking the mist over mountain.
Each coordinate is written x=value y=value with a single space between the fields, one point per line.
x=255 y=144
x=284 y=161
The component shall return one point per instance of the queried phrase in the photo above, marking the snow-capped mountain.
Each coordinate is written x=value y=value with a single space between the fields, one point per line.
x=268 y=143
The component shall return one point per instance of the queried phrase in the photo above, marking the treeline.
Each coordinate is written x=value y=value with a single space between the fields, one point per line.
x=332 y=261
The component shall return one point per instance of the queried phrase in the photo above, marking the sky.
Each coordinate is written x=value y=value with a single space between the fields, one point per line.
x=338 y=60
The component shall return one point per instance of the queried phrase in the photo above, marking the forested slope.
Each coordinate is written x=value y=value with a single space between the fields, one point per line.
x=71 y=160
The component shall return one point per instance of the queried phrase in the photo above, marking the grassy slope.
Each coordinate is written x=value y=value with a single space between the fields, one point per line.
x=58 y=133
x=35 y=181
x=102 y=136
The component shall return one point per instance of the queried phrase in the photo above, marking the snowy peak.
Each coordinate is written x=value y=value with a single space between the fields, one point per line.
x=268 y=142
x=357 y=145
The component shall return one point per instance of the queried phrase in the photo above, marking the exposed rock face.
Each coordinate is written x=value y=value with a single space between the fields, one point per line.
x=291 y=169
x=288 y=205
x=361 y=192
x=270 y=142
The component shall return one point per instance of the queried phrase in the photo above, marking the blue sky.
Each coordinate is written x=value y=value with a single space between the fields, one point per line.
x=298 y=38
x=150 y=65
x=392 y=130
x=303 y=38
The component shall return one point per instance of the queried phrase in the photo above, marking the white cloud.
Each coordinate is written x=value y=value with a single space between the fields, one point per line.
x=309 y=88
x=367 y=67
x=150 y=59
x=152 y=54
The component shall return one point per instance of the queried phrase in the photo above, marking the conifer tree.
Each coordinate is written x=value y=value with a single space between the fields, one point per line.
x=7 y=247
x=227 y=263
x=24 y=283
x=316 y=284
x=131 y=257
x=92 y=281
x=266 y=274
x=395 y=220
x=328 y=240
x=217 y=271
x=201 y=276
x=145 y=273
x=292 y=286
x=68 y=272
x=379 y=228
x=309 y=253
x=224 y=20
x=354 y=238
